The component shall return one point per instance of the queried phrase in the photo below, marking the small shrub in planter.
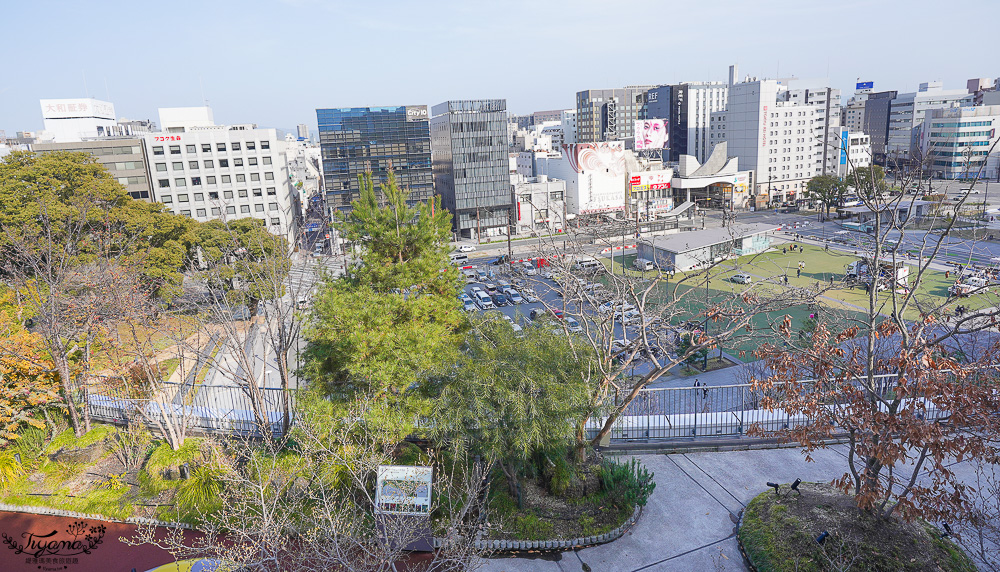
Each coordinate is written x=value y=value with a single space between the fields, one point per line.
x=626 y=484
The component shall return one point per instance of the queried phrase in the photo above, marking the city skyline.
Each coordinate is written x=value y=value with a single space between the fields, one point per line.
x=275 y=62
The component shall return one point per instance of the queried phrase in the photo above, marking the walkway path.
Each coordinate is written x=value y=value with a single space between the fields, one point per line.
x=689 y=523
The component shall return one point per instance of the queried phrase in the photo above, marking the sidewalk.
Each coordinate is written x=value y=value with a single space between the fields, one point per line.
x=689 y=523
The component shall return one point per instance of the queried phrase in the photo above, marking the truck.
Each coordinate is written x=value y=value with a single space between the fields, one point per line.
x=968 y=285
x=859 y=226
x=887 y=272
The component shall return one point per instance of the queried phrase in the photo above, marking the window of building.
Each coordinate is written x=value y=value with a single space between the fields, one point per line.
x=180 y=182
x=196 y=181
x=237 y=162
x=209 y=164
x=227 y=194
x=161 y=166
x=206 y=147
x=268 y=176
x=158 y=150
x=216 y=211
x=259 y=208
x=272 y=206
x=245 y=209
x=210 y=180
x=267 y=160
x=166 y=199
x=236 y=145
x=213 y=195
x=199 y=197
x=192 y=149
x=256 y=192
x=254 y=176
x=275 y=221
x=265 y=144
x=271 y=191
x=230 y=210
x=241 y=178
x=223 y=162
x=226 y=179
x=164 y=183
x=220 y=146
x=252 y=161
x=178 y=165
x=182 y=198
x=251 y=145
x=186 y=213
x=243 y=193
x=200 y=212
x=193 y=165
x=175 y=149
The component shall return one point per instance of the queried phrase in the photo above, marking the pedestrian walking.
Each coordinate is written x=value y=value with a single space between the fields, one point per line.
x=947 y=273
x=798 y=273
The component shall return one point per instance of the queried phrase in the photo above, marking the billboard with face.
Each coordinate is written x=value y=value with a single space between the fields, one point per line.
x=650 y=134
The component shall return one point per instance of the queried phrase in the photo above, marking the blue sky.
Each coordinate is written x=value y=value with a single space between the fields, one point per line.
x=274 y=62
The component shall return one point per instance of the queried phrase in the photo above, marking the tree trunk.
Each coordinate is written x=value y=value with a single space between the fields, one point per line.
x=62 y=366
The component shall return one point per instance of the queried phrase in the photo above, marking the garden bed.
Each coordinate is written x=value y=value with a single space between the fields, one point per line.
x=779 y=533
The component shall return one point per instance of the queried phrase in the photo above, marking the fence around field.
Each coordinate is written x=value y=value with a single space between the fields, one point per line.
x=224 y=410
x=691 y=413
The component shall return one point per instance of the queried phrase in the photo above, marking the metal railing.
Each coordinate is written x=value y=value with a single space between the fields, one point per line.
x=215 y=409
x=715 y=411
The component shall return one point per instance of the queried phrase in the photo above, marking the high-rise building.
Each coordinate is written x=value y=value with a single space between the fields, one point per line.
x=776 y=139
x=957 y=141
x=826 y=100
x=356 y=139
x=609 y=114
x=876 y=122
x=688 y=108
x=906 y=114
x=568 y=120
x=302 y=130
x=124 y=158
x=221 y=171
x=471 y=165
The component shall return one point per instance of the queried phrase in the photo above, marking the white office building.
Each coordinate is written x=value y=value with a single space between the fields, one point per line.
x=209 y=171
x=541 y=204
x=853 y=115
x=568 y=122
x=826 y=100
x=957 y=142
x=855 y=152
x=906 y=114
x=776 y=139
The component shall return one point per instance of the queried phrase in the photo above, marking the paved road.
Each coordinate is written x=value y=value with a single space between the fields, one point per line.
x=689 y=523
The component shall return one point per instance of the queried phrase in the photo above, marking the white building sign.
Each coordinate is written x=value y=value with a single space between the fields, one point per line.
x=76 y=108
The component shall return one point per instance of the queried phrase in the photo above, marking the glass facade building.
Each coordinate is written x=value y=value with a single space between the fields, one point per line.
x=471 y=165
x=353 y=139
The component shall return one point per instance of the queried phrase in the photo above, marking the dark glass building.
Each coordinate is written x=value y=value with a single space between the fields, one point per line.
x=472 y=166
x=353 y=139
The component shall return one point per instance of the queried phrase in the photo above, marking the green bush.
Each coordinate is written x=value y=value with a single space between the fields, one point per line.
x=200 y=493
x=530 y=527
x=626 y=484
x=10 y=470
x=30 y=443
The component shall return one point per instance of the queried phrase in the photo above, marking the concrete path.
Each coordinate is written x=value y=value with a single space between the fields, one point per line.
x=689 y=523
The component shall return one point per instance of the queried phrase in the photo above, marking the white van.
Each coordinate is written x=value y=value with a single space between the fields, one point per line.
x=590 y=265
x=458 y=258
x=642 y=265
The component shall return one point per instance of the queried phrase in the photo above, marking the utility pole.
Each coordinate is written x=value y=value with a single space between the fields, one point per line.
x=510 y=227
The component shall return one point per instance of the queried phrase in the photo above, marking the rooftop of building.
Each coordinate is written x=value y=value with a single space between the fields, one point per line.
x=694 y=240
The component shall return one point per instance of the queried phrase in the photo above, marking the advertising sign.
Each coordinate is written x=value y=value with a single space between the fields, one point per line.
x=650 y=134
x=72 y=108
x=607 y=156
x=741 y=182
x=865 y=85
x=403 y=490
x=416 y=112
x=651 y=180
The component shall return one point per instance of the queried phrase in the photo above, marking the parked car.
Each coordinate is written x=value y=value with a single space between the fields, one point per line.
x=628 y=317
x=484 y=301
x=616 y=306
x=476 y=290
x=529 y=268
x=741 y=278
x=490 y=287
x=573 y=325
x=500 y=300
x=547 y=274
x=466 y=248
x=469 y=305
x=529 y=295
x=463 y=297
x=513 y=296
x=503 y=285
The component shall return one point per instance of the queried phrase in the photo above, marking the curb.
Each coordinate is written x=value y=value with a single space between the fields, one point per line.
x=555 y=545
x=70 y=514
